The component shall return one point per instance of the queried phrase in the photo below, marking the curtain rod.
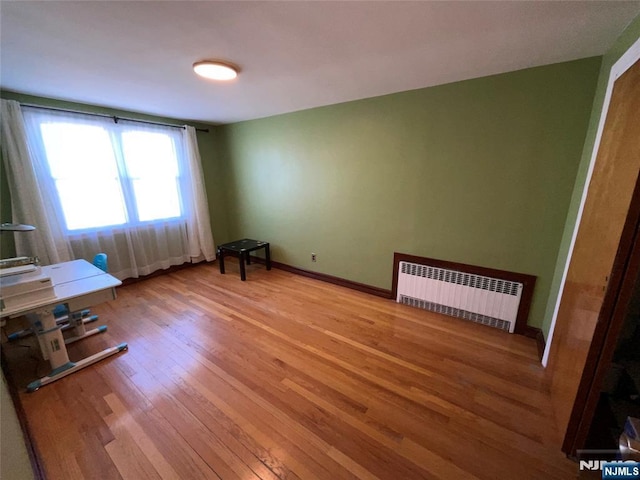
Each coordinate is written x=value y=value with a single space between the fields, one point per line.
x=114 y=117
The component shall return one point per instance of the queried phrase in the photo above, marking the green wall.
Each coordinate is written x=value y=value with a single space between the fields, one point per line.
x=478 y=172
x=626 y=39
x=213 y=170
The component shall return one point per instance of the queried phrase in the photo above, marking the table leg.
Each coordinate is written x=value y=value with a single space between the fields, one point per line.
x=72 y=367
x=221 y=259
x=50 y=338
x=248 y=258
x=243 y=273
x=267 y=256
x=79 y=330
x=53 y=348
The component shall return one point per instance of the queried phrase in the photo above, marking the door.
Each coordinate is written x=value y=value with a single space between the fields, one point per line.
x=605 y=211
x=612 y=374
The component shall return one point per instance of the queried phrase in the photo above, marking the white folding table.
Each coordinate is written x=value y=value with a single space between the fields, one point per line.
x=79 y=284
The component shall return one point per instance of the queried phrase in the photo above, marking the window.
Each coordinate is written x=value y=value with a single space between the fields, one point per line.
x=132 y=190
x=112 y=175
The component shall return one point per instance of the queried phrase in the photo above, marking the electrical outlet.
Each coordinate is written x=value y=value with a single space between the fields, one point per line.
x=313 y=257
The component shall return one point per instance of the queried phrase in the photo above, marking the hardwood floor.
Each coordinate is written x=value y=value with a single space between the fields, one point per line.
x=283 y=376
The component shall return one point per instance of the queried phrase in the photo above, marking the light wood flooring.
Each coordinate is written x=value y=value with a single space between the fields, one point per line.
x=283 y=376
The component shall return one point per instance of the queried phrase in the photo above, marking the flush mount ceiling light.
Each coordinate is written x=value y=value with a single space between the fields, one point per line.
x=215 y=70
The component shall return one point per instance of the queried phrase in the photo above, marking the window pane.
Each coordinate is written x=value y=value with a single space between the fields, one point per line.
x=79 y=151
x=149 y=154
x=91 y=205
x=157 y=198
x=83 y=164
x=152 y=166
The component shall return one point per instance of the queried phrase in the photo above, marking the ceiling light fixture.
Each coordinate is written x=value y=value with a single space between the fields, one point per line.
x=215 y=70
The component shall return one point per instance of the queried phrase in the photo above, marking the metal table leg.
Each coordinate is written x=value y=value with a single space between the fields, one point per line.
x=243 y=273
x=267 y=256
x=221 y=259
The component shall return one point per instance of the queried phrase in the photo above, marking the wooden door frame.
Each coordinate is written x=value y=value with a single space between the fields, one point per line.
x=620 y=287
x=628 y=59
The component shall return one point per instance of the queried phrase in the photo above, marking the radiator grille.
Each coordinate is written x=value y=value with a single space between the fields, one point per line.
x=461 y=278
x=481 y=299
x=456 y=312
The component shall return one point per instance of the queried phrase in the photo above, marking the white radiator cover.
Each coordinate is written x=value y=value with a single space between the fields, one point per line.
x=486 y=300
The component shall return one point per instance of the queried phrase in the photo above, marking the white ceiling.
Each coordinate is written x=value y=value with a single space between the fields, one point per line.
x=293 y=55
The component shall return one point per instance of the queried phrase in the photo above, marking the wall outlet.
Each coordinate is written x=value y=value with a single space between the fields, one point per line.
x=313 y=257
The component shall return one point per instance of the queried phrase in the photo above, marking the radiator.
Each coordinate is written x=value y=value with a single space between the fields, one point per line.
x=481 y=299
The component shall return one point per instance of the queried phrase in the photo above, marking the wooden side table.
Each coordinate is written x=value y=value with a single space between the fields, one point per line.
x=242 y=248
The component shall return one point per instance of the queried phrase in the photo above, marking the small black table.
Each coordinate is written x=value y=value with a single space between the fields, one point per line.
x=242 y=248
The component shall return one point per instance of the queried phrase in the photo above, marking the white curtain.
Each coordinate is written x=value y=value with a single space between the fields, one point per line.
x=28 y=200
x=198 y=224
x=133 y=248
